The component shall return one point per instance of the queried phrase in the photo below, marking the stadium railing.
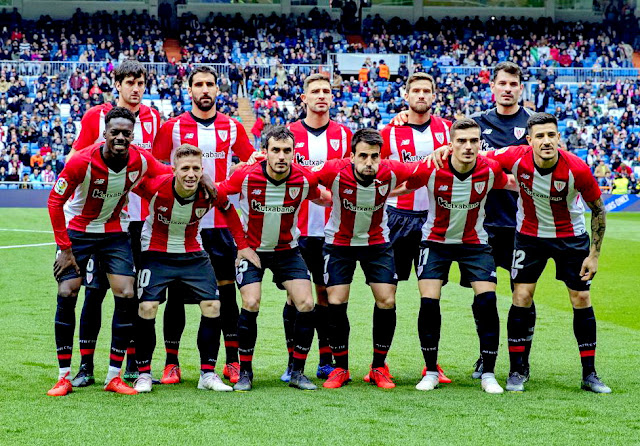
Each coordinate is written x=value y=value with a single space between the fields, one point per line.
x=30 y=185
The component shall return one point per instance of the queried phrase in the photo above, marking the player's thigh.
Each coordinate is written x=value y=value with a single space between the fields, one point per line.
x=311 y=251
x=530 y=255
x=135 y=235
x=568 y=255
x=339 y=265
x=300 y=292
x=434 y=265
x=219 y=244
x=116 y=256
x=198 y=280
x=477 y=265
x=430 y=288
x=502 y=241
x=83 y=247
x=154 y=276
x=378 y=264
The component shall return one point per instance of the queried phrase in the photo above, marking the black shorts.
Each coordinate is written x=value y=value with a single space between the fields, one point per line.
x=405 y=233
x=311 y=250
x=501 y=240
x=111 y=250
x=219 y=244
x=376 y=262
x=191 y=272
x=285 y=265
x=531 y=254
x=475 y=262
x=96 y=277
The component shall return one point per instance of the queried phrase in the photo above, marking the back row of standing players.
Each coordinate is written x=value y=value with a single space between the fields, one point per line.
x=317 y=140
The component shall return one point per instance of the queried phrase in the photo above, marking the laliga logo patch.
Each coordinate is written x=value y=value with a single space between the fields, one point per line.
x=518 y=132
x=479 y=187
x=382 y=190
x=223 y=134
x=200 y=212
x=133 y=176
x=148 y=127
x=61 y=186
x=559 y=185
x=335 y=143
x=294 y=192
x=440 y=137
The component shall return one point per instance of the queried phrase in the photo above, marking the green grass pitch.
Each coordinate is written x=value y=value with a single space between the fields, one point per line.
x=553 y=410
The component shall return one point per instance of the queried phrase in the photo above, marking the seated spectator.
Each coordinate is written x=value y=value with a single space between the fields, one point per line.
x=48 y=175
x=37 y=160
x=602 y=173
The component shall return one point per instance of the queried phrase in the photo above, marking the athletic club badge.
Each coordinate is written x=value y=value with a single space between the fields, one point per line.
x=148 y=127
x=439 y=137
x=223 y=134
x=518 y=132
x=382 y=190
x=200 y=212
x=133 y=176
x=294 y=192
x=479 y=187
x=335 y=144
x=559 y=185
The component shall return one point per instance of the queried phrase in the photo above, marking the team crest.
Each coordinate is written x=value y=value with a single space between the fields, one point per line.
x=148 y=127
x=223 y=134
x=294 y=192
x=479 y=187
x=382 y=190
x=133 y=176
x=514 y=273
x=518 y=132
x=440 y=137
x=335 y=143
x=559 y=185
x=200 y=212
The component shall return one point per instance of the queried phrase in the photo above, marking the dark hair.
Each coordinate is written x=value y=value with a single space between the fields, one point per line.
x=119 y=112
x=540 y=118
x=186 y=150
x=202 y=69
x=279 y=133
x=507 y=67
x=368 y=136
x=463 y=124
x=128 y=68
x=420 y=76
x=313 y=78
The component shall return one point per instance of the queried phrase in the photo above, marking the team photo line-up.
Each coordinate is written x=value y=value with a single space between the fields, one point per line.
x=143 y=209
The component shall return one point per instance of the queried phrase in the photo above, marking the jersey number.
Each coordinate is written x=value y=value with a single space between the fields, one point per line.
x=243 y=266
x=144 y=277
x=518 y=258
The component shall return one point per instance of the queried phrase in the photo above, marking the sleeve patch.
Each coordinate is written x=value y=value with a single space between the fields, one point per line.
x=61 y=186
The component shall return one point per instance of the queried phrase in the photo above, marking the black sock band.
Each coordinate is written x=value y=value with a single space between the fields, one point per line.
x=303 y=337
x=485 y=311
x=429 y=322
x=584 y=329
x=229 y=321
x=247 y=335
x=65 y=325
x=209 y=343
x=289 y=323
x=517 y=330
x=90 y=324
x=121 y=329
x=339 y=330
x=384 y=327
x=174 y=322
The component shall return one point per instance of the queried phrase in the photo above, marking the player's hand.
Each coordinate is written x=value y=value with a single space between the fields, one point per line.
x=438 y=157
x=64 y=260
x=400 y=119
x=255 y=157
x=210 y=189
x=250 y=255
x=589 y=268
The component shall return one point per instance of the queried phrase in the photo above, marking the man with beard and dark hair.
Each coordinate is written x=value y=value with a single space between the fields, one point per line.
x=219 y=137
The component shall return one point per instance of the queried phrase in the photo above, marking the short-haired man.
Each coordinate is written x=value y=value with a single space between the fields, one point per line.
x=357 y=231
x=271 y=194
x=172 y=252
x=410 y=143
x=219 y=137
x=86 y=209
x=552 y=184
x=454 y=232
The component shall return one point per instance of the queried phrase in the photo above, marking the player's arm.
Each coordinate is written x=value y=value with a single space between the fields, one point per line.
x=163 y=143
x=502 y=180
x=400 y=119
x=586 y=184
x=315 y=195
x=67 y=182
x=154 y=167
x=230 y=215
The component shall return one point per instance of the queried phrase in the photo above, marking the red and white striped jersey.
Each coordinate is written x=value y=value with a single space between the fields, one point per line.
x=313 y=148
x=90 y=197
x=145 y=130
x=173 y=223
x=456 y=201
x=218 y=142
x=270 y=208
x=358 y=216
x=409 y=144
x=549 y=203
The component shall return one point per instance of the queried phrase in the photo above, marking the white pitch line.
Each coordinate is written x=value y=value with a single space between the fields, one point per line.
x=27 y=246
x=27 y=230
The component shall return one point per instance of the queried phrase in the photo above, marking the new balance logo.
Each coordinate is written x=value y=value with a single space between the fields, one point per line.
x=99 y=181
x=348 y=191
x=256 y=192
x=524 y=176
x=487 y=132
x=443 y=188
x=188 y=136
x=299 y=144
x=163 y=209
x=405 y=142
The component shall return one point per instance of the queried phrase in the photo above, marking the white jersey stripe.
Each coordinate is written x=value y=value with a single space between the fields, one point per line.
x=365 y=196
x=114 y=192
x=431 y=218
x=460 y=195
x=272 y=221
x=544 y=214
x=176 y=232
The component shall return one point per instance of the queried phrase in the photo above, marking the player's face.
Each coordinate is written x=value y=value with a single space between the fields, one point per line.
x=203 y=91
x=188 y=171
x=465 y=145
x=280 y=155
x=131 y=89
x=545 y=140
x=420 y=96
x=118 y=135
x=366 y=160
x=318 y=97
x=507 y=89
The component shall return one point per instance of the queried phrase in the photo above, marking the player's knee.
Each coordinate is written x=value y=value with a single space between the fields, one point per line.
x=67 y=290
x=148 y=310
x=210 y=308
x=580 y=299
x=522 y=298
x=251 y=303
x=386 y=302
x=305 y=305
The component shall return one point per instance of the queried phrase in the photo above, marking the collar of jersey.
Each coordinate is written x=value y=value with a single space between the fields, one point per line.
x=271 y=180
x=179 y=199
x=461 y=176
